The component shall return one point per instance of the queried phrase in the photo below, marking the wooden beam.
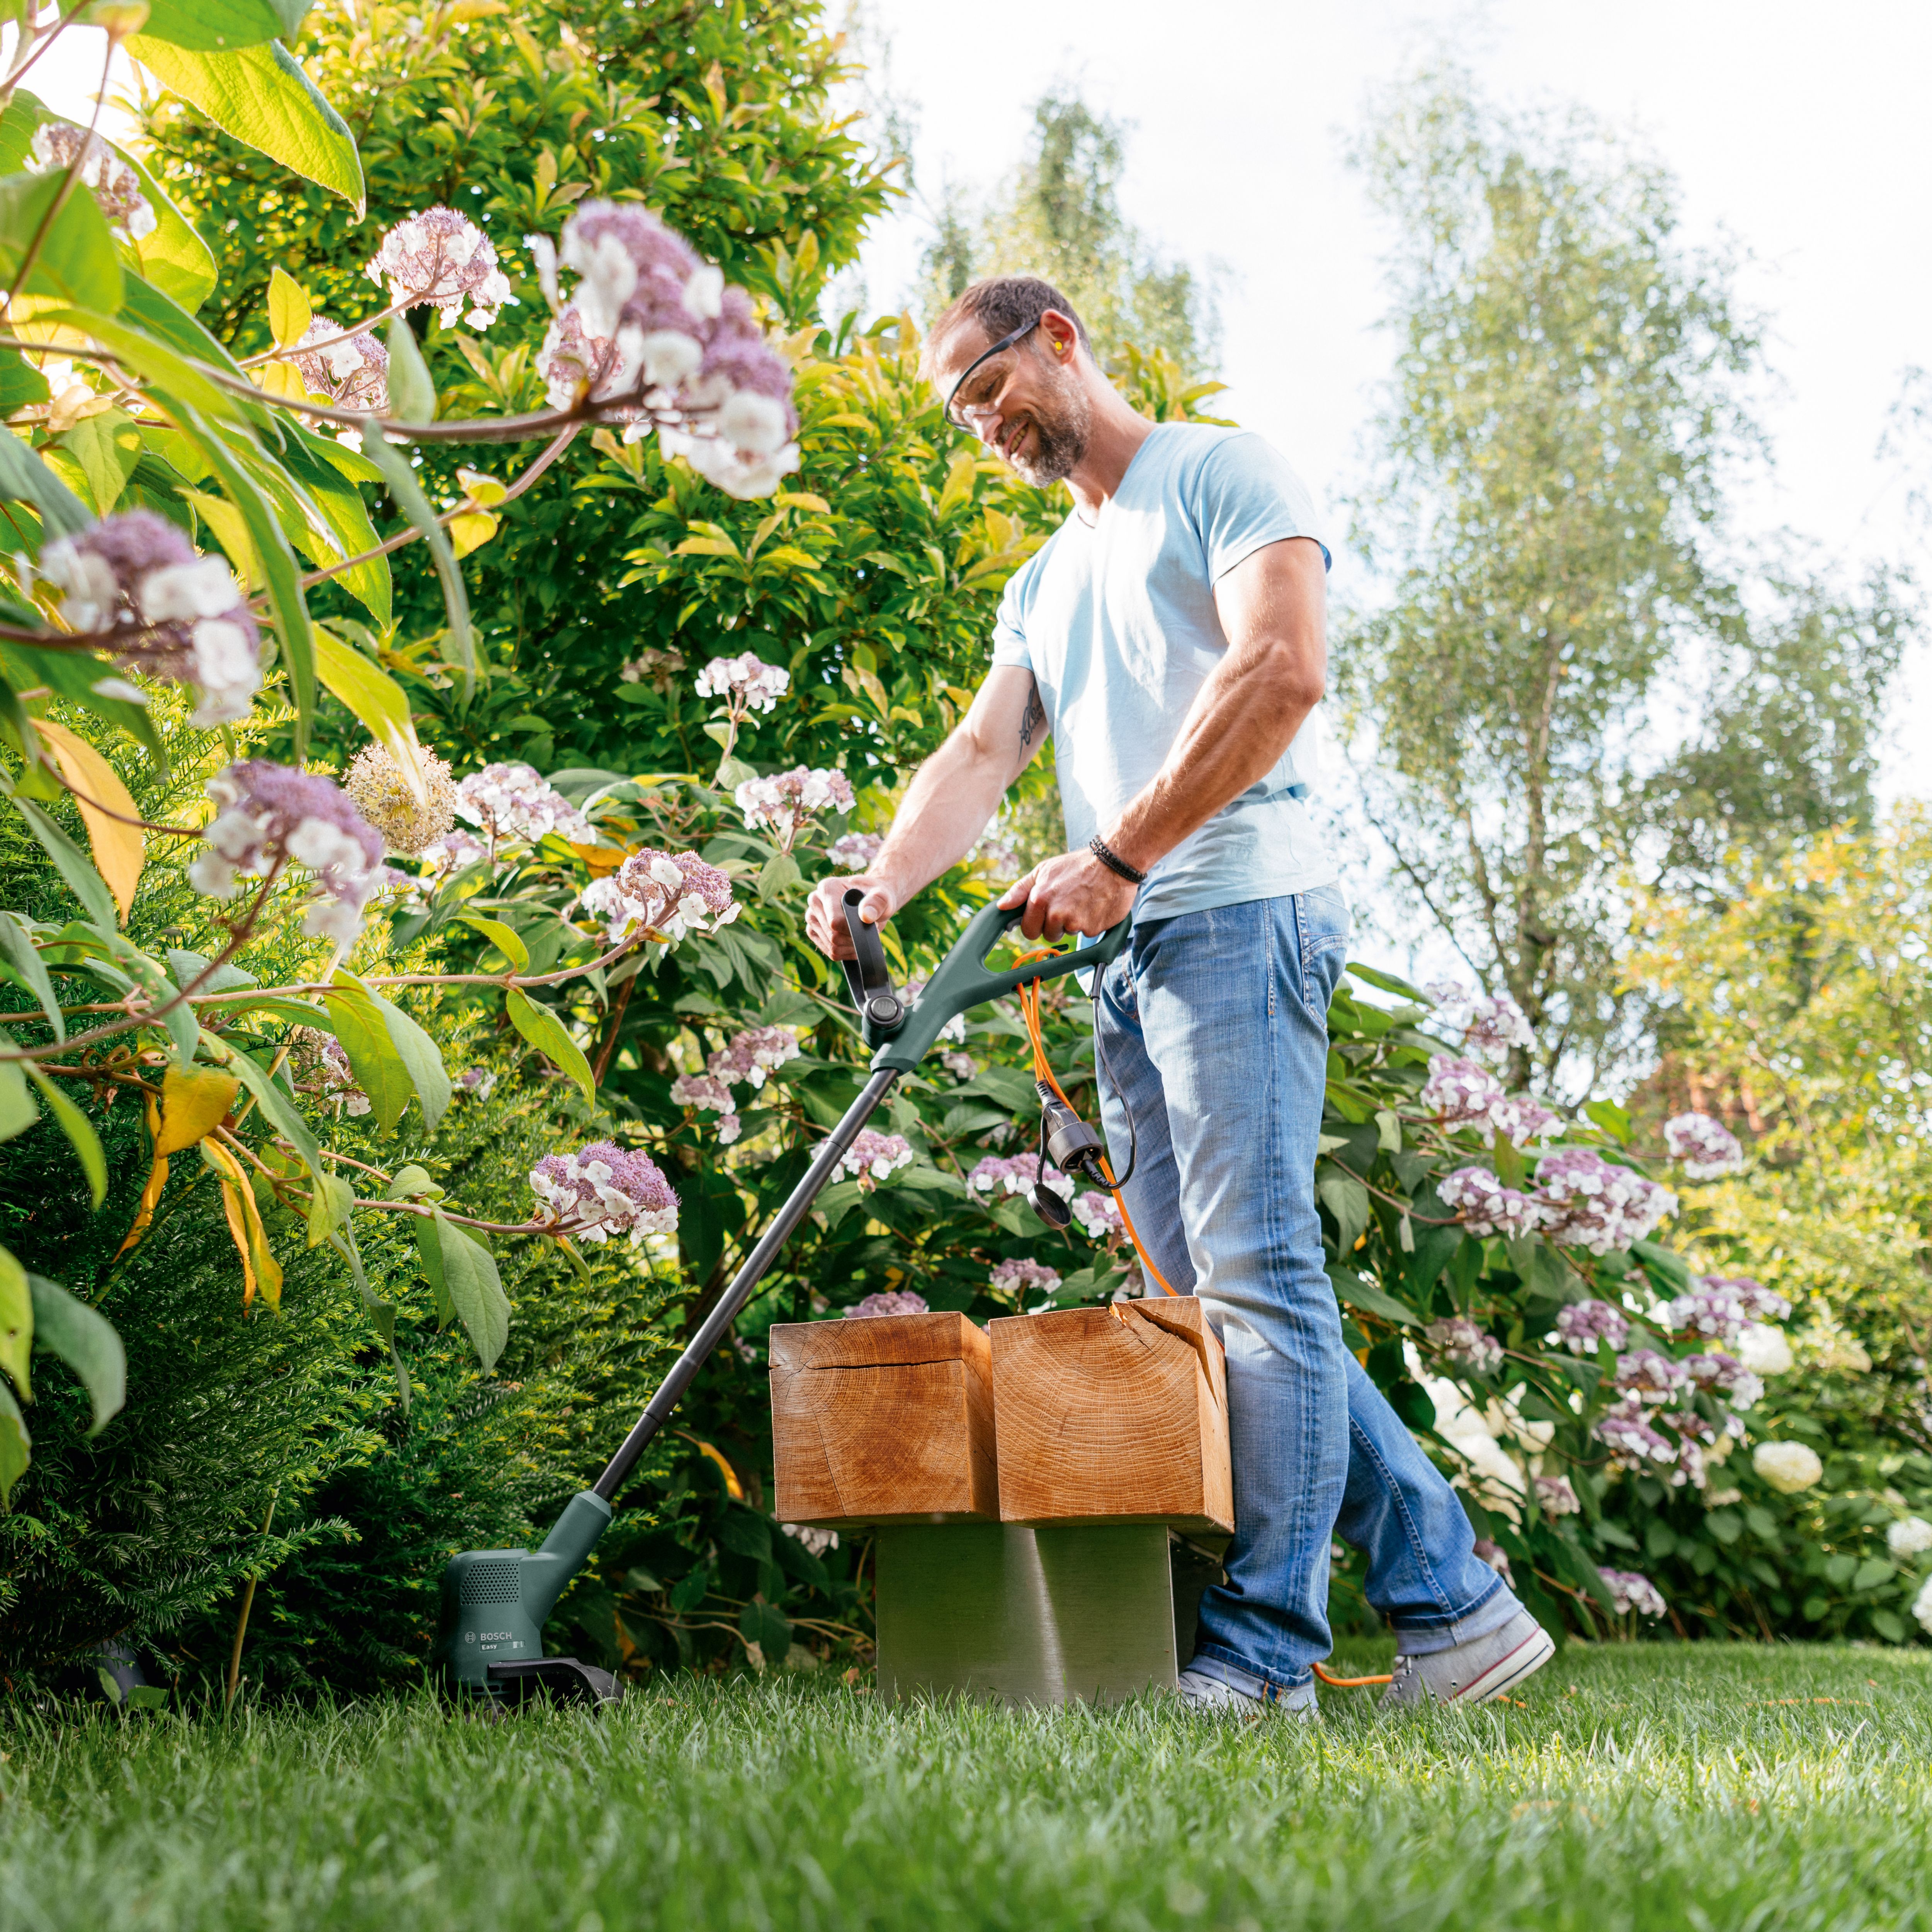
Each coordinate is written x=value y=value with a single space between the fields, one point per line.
x=1113 y=1414
x=885 y=1419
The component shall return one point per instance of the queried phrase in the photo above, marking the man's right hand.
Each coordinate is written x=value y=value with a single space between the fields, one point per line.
x=825 y=913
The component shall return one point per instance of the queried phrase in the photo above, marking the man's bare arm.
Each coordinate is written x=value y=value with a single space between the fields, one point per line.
x=946 y=807
x=1273 y=610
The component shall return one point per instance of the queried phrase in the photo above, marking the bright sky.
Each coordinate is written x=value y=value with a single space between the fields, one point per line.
x=1802 y=135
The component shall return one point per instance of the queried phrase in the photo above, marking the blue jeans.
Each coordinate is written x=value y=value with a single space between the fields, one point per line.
x=1212 y=1026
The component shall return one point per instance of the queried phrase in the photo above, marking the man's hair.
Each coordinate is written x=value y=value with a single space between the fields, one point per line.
x=1003 y=303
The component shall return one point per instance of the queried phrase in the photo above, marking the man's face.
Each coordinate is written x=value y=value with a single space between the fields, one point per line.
x=1025 y=404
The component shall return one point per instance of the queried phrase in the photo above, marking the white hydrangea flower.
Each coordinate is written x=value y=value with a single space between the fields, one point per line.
x=1763 y=1349
x=1788 y=1467
x=1911 y=1536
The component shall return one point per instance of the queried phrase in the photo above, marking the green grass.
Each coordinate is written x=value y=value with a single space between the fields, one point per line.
x=1644 y=1786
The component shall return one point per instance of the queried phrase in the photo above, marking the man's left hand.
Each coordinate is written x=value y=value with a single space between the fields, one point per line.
x=1073 y=893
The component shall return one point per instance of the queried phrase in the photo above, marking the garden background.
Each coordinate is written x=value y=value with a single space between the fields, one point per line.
x=319 y=1407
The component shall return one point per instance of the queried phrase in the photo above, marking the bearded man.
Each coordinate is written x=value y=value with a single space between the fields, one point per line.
x=1170 y=636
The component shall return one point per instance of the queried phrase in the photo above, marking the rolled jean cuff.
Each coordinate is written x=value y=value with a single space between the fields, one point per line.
x=1423 y=1636
x=1213 y=1661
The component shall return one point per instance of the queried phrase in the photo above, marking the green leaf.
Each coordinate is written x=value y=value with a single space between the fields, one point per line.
x=73 y=865
x=79 y=1130
x=17 y=944
x=545 y=1032
x=76 y=258
x=172 y=254
x=1348 y=1200
x=470 y=1280
x=332 y=490
x=412 y=390
x=777 y=876
x=17 y=1110
x=328 y=1209
x=429 y=1248
x=22 y=116
x=21 y=383
x=502 y=937
x=290 y=313
x=86 y=1341
x=1350 y=1288
x=1612 y=1120
x=208 y=26
x=149 y=1697
x=409 y=498
x=417 y=1052
x=261 y=96
x=372 y=695
x=25 y=479
x=1872 y=1572
x=16 y=1445
x=16 y=1323
x=379 y=1068
x=278 y=564
x=1388 y=982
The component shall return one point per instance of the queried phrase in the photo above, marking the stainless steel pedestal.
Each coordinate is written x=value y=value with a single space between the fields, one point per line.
x=1039 y=1616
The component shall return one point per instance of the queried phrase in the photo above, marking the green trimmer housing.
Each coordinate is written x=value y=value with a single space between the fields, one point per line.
x=495 y=1601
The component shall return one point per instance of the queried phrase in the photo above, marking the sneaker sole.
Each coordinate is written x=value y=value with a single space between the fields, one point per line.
x=1529 y=1656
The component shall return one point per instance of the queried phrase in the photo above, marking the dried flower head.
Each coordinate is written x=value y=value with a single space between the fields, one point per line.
x=874 y=1157
x=165 y=611
x=1597 y=1205
x=1462 y=1343
x=661 y=896
x=443 y=259
x=1707 y=1148
x=271 y=816
x=1486 y=1206
x=1583 y=1325
x=660 y=670
x=380 y=791
x=601 y=1190
x=116 y=187
x=890 y=1301
x=787 y=802
x=1015 y=1277
x=1633 y=1593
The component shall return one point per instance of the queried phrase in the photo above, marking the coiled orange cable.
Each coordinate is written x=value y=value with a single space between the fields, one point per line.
x=1029 y=994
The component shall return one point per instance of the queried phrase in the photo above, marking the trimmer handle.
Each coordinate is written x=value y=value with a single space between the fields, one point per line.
x=868 y=978
x=963 y=980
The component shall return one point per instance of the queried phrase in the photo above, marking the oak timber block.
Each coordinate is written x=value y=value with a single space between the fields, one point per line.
x=1113 y=1414
x=884 y=1419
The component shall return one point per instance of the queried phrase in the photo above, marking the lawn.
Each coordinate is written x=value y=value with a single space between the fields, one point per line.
x=1634 y=1786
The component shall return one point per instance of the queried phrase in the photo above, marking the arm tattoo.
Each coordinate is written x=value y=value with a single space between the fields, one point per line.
x=1033 y=717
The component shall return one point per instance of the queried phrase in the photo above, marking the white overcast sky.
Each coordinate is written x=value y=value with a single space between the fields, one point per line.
x=1802 y=134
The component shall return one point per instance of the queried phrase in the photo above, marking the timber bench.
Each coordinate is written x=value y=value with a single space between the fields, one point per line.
x=1048 y=1495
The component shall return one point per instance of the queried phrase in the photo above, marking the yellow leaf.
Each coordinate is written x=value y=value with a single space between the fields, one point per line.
x=151 y=1199
x=476 y=10
x=959 y=480
x=231 y=532
x=735 y=1488
x=483 y=491
x=720 y=546
x=260 y=1268
x=194 y=1101
x=470 y=530
x=284 y=379
x=802 y=499
x=104 y=805
x=290 y=313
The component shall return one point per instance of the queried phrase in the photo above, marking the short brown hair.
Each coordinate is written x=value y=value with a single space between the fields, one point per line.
x=1003 y=303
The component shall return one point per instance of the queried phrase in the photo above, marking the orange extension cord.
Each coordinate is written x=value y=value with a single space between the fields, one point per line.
x=1029 y=1009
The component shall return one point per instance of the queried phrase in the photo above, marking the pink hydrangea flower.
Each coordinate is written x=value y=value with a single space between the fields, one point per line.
x=1462 y=1343
x=1760 y=1304
x=513 y=801
x=1015 y=1277
x=1494 y=1025
x=1100 y=1214
x=116 y=187
x=271 y=817
x=442 y=258
x=1710 y=1308
x=1648 y=1375
x=661 y=896
x=890 y=1301
x=1724 y=1374
x=961 y=1065
x=954 y=1029
x=787 y=802
x=874 y=1157
x=1017 y=1174
x=750 y=1055
x=853 y=851
x=1583 y=1325
x=603 y=1190
x=1522 y=1121
x=1486 y=1206
x=1630 y=1592
x=352 y=371
x=1555 y=1497
x=705 y=1092
x=1458 y=1092
x=1706 y=1146
x=1634 y=1445
x=1598 y=1205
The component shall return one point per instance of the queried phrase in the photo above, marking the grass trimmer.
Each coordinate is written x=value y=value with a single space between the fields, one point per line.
x=494 y=1601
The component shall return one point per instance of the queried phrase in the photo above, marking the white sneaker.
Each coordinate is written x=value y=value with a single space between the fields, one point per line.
x=1475 y=1672
x=1212 y=1697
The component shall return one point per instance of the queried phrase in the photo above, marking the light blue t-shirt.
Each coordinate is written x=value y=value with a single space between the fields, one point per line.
x=1116 y=621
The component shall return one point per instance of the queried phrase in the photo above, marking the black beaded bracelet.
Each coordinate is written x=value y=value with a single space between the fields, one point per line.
x=1113 y=861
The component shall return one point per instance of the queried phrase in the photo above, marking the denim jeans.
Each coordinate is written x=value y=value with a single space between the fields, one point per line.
x=1213 y=1028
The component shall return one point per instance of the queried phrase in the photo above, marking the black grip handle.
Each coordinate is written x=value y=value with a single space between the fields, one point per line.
x=868 y=978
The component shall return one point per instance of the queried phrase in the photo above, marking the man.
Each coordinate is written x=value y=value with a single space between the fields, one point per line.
x=1170 y=634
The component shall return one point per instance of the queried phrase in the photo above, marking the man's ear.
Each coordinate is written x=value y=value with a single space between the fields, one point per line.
x=1062 y=334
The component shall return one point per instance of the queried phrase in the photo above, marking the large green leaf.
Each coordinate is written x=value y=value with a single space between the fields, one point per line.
x=16 y=1323
x=25 y=479
x=417 y=1052
x=16 y=1444
x=208 y=26
x=17 y=944
x=106 y=447
x=172 y=255
x=261 y=96
x=75 y=257
x=1350 y=1288
x=411 y=391
x=21 y=116
x=18 y=1111
x=86 y=1341
x=467 y=1272
x=408 y=493
x=545 y=1032
x=372 y=695
x=79 y=1130
x=73 y=865
x=378 y=1066
x=335 y=495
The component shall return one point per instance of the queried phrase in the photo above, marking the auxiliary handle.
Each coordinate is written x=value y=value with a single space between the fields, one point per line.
x=963 y=980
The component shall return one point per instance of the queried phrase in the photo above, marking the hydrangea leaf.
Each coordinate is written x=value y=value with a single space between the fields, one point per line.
x=475 y=1290
x=86 y=1341
x=546 y=1032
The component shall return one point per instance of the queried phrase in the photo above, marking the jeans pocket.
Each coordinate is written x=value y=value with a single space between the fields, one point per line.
x=1323 y=920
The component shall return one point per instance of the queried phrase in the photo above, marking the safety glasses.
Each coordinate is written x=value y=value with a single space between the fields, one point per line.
x=958 y=418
